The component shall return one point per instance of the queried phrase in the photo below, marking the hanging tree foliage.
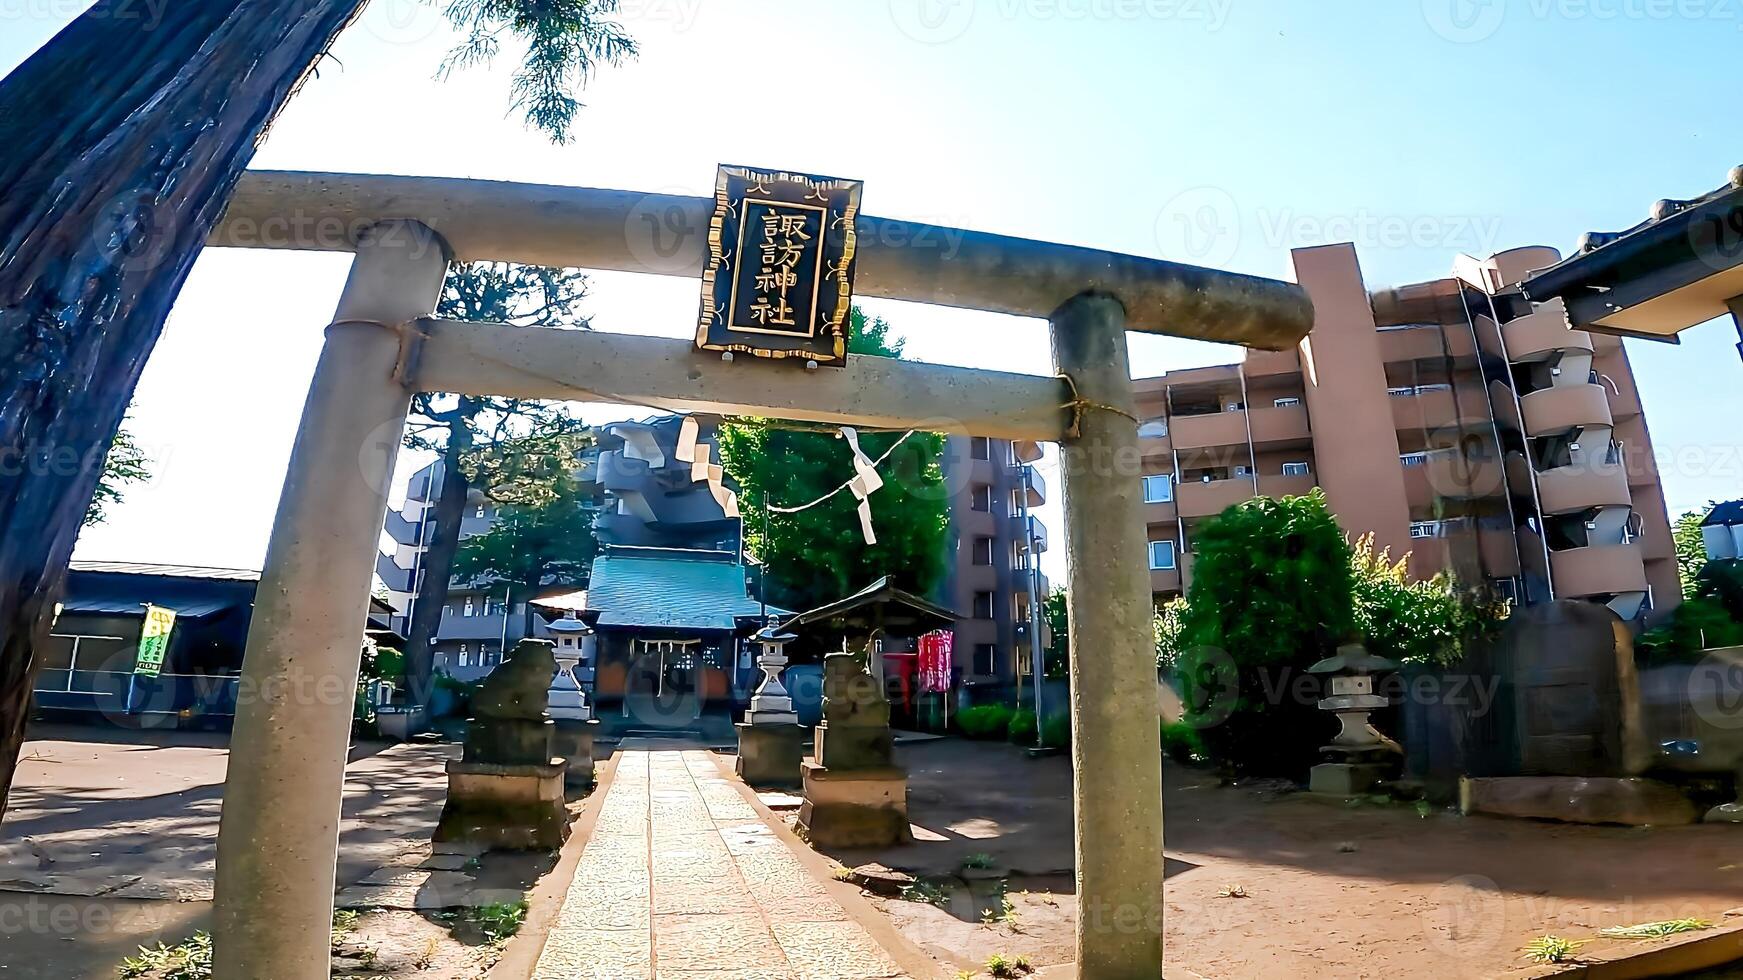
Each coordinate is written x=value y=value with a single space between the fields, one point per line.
x=121 y=140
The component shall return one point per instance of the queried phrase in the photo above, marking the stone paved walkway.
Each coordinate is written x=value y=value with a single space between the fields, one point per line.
x=682 y=878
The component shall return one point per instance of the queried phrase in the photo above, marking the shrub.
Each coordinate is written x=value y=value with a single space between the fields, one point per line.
x=1182 y=742
x=1272 y=592
x=1056 y=731
x=1022 y=727
x=984 y=721
x=1699 y=624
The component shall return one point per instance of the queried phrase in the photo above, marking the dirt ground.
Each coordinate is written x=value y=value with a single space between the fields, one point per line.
x=109 y=844
x=1267 y=883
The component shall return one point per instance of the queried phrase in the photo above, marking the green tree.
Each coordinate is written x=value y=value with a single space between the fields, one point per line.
x=819 y=555
x=121 y=140
x=1272 y=592
x=1691 y=550
x=1168 y=623
x=124 y=463
x=506 y=447
x=1059 y=625
x=1434 y=621
x=546 y=540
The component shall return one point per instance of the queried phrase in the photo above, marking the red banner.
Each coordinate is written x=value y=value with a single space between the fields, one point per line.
x=934 y=667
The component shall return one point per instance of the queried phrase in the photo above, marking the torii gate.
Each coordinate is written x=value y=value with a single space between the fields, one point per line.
x=279 y=832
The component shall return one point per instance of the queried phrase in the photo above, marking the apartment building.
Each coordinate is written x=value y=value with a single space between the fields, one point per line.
x=995 y=542
x=1453 y=419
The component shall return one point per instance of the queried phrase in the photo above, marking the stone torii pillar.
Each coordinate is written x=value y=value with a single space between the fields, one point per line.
x=279 y=834
x=1116 y=736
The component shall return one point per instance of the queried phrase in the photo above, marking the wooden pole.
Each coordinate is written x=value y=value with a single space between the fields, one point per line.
x=279 y=833
x=1116 y=744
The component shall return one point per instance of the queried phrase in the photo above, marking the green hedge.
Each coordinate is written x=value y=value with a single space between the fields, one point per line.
x=984 y=721
x=1056 y=731
x=1022 y=727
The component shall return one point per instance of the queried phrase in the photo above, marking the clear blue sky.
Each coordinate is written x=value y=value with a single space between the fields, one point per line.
x=1221 y=131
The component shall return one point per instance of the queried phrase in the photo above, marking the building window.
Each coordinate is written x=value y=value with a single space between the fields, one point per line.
x=1243 y=472
x=469 y=611
x=1425 y=529
x=465 y=655
x=1153 y=429
x=981 y=498
x=1286 y=402
x=488 y=655
x=1235 y=407
x=986 y=659
x=1413 y=459
x=1407 y=391
x=983 y=551
x=983 y=605
x=1294 y=469
x=1158 y=489
x=479 y=512
x=980 y=447
x=1161 y=555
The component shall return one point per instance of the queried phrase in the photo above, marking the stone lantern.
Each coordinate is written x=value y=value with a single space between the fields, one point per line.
x=770 y=739
x=1357 y=759
x=568 y=702
x=771 y=704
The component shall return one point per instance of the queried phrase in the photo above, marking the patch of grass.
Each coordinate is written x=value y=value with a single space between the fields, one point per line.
x=498 y=920
x=926 y=892
x=1004 y=967
x=344 y=924
x=1552 y=949
x=1655 y=930
x=978 y=862
x=191 y=960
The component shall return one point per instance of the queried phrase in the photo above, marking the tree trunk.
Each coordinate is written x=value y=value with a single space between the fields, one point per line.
x=438 y=564
x=120 y=143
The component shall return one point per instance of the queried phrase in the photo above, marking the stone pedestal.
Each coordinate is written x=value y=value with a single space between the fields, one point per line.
x=854 y=807
x=505 y=807
x=575 y=743
x=855 y=796
x=506 y=791
x=1348 y=778
x=770 y=754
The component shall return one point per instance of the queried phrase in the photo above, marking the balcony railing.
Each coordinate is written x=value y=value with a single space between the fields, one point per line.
x=1568 y=489
x=1565 y=408
x=1201 y=499
x=1542 y=333
x=1603 y=570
